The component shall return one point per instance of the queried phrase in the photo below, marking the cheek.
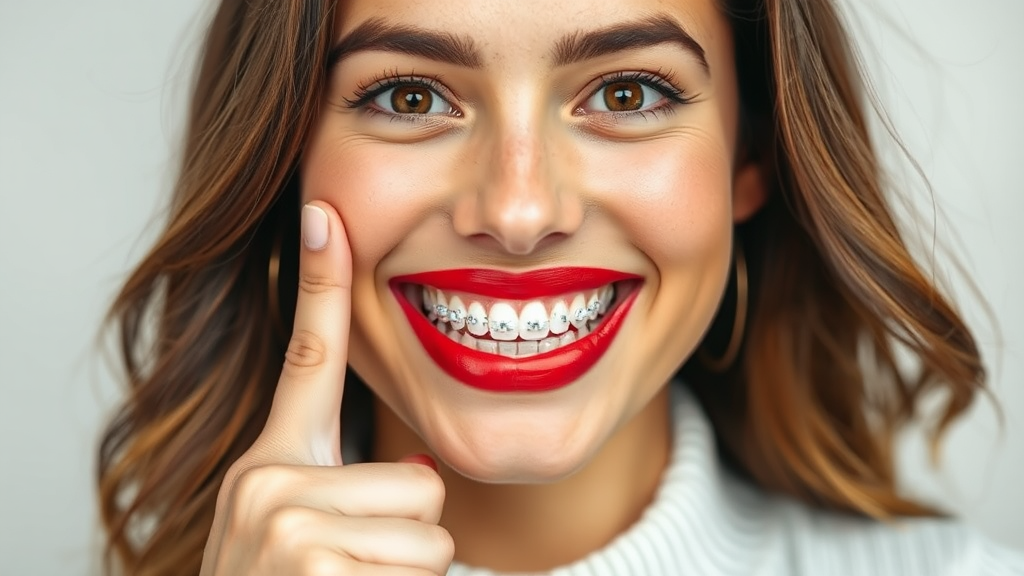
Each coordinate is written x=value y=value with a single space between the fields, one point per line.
x=381 y=192
x=672 y=199
x=671 y=195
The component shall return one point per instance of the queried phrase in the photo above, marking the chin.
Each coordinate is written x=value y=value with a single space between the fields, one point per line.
x=520 y=444
x=515 y=462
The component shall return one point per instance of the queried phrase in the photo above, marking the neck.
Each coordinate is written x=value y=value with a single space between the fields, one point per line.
x=558 y=523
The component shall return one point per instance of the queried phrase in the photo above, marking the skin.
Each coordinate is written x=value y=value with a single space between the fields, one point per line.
x=525 y=170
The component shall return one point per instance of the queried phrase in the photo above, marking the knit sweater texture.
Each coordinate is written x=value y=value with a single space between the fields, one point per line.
x=704 y=521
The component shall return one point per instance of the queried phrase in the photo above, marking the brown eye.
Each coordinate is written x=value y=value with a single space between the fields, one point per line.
x=623 y=96
x=411 y=100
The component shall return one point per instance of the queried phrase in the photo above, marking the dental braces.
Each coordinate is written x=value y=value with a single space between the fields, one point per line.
x=580 y=315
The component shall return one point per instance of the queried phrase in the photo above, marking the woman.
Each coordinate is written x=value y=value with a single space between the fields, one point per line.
x=617 y=291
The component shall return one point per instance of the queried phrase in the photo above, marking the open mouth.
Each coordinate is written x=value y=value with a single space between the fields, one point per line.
x=514 y=328
x=516 y=332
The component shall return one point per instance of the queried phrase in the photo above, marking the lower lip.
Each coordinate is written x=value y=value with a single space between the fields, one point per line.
x=543 y=372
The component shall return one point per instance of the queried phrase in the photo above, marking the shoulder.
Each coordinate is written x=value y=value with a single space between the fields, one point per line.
x=828 y=543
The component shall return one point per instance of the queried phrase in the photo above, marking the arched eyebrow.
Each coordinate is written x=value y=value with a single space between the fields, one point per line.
x=659 y=29
x=378 y=34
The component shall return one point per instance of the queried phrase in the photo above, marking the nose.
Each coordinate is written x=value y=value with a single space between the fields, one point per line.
x=519 y=197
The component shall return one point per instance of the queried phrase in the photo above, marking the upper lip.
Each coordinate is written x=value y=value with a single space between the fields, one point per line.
x=516 y=285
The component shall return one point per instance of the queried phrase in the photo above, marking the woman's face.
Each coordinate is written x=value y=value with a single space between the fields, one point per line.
x=539 y=196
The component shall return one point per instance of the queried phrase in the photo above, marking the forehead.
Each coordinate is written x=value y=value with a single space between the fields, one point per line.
x=501 y=30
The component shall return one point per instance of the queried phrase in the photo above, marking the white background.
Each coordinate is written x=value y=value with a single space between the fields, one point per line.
x=91 y=94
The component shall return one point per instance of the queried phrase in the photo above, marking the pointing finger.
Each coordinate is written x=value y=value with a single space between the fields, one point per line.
x=305 y=414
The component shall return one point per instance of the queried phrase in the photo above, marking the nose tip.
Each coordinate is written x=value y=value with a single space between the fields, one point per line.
x=525 y=222
x=520 y=200
x=519 y=219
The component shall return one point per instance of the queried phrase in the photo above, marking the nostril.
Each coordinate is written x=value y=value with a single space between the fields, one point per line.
x=492 y=243
x=514 y=219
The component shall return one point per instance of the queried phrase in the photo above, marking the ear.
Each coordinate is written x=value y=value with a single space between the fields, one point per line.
x=749 y=191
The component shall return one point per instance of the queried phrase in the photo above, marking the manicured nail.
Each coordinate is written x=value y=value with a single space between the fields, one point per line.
x=314 y=227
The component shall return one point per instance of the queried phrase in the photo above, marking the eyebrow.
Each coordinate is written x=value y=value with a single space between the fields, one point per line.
x=627 y=36
x=377 y=34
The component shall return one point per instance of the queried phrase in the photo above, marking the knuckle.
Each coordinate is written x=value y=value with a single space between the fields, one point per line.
x=286 y=529
x=441 y=542
x=317 y=283
x=305 y=350
x=300 y=559
x=251 y=491
x=321 y=563
x=430 y=483
x=258 y=483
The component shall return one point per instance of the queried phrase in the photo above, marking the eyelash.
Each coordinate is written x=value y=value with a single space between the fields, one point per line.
x=661 y=81
x=365 y=93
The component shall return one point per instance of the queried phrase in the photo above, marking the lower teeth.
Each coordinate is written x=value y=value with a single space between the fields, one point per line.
x=517 y=348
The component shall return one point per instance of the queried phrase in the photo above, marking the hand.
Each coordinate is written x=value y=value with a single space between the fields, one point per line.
x=288 y=505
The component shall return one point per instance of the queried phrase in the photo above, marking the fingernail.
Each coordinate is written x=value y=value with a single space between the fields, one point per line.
x=314 y=227
x=421 y=459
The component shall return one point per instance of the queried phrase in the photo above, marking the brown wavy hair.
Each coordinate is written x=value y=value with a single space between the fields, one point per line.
x=810 y=408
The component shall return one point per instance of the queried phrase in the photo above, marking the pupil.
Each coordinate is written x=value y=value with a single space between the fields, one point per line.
x=624 y=96
x=411 y=100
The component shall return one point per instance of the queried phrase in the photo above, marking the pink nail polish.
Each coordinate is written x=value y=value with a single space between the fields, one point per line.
x=314 y=227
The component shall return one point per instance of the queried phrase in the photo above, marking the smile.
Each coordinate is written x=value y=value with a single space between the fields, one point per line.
x=507 y=332
x=515 y=329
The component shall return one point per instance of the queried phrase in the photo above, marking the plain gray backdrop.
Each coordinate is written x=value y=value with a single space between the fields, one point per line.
x=91 y=100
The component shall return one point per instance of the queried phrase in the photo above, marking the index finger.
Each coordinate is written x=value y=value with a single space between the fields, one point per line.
x=306 y=412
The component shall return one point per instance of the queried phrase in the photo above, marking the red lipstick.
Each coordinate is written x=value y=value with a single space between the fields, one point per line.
x=548 y=371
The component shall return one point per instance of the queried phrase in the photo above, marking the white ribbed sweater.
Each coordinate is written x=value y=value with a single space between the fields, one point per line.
x=706 y=522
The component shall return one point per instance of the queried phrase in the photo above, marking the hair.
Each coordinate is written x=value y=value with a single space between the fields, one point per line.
x=810 y=407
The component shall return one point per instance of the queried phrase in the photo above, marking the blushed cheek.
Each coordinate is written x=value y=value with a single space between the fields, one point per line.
x=381 y=191
x=383 y=194
x=672 y=196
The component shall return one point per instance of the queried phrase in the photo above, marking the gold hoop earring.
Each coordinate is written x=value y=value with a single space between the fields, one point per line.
x=739 y=323
x=273 y=289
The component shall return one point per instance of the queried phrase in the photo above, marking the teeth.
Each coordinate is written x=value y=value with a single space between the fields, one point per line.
x=533 y=321
x=547 y=345
x=503 y=322
x=476 y=319
x=457 y=313
x=583 y=330
x=593 y=305
x=578 y=314
x=606 y=296
x=559 y=317
x=441 y=307
x=534 y=329
x=428 y=304
x=528 y=348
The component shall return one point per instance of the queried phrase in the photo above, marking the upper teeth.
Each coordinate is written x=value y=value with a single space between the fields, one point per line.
x=506 y=321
